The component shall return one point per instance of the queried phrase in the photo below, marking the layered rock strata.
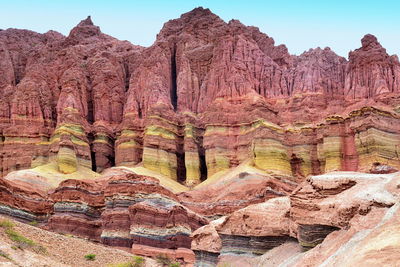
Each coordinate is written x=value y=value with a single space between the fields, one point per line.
x=78 y=206
x=205 y=97
x=323 y=215
x=24 y=202
x=327 y=211
x=119 y=209
x=122 y=210
x=256 y=228
x=140 y=211
x=207 y=243
x=229 y=194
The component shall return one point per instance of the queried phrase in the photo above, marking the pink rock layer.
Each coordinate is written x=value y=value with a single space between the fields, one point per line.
x=200 y=72
x=328 y=216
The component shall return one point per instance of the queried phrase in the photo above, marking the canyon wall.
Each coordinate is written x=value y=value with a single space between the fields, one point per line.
x=205 y=97
x=211 y=143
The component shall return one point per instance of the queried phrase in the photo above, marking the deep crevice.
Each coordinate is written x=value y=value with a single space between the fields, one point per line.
x=17 y=80
x=19 y=68
x=111 y=159
x=90 y=115
x=173 y=93
x=295 y=165
x=202 y=159
x=203 y=167
x=127 y=76
x=180 y=157
x=93 y=156
x=181 y=168
x=139 y=110
x=90 y=112
x=92 y=152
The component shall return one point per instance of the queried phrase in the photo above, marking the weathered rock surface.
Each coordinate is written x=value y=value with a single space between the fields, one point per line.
x=371 y=71
x=330 y=215
x=249 y=231
x=61 y=250
x=143 y=212
x=205 y=97
x=181 y=255
x=120 y=209
x=229 y=194
x=207 y=244
x=24 y=201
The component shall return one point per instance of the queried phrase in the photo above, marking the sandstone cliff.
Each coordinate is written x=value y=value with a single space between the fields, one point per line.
x=105 y=139
x=205 y=97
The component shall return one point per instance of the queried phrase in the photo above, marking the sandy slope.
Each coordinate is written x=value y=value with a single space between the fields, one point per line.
x=61 y=250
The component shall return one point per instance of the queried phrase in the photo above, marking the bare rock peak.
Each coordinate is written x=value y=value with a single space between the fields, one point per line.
x=85 y=29
x=86 y=22
x=369 y=41
x=236 y=22
x=199 y=11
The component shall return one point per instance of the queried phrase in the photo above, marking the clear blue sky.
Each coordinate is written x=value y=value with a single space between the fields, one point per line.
x=301 y=24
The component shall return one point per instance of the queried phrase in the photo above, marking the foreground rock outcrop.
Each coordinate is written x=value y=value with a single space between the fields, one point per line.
x=234 y=191
x=123 y=210
x=120 y=209
x=324 y=219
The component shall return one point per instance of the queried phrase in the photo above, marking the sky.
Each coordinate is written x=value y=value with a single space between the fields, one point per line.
x=300 y=25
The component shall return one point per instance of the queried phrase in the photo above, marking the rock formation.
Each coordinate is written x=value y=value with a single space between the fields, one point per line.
x=122 y=210
x=131 y=146
x=330 y=214
x=219 y=94
x=229 y=194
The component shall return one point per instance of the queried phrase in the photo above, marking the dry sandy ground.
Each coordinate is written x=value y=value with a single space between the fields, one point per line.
x=61 y=250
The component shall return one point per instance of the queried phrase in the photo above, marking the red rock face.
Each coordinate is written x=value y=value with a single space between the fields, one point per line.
x=23 y=201
x=123 y=209
x=227 y=196
x=371 y=71
x=197 y=64
x=206 y=97
x=332 y=210
x=50 y=72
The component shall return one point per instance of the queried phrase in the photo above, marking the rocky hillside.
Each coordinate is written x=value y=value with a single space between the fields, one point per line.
x=336 y=219
x=184 y=151
x=205 y=97
x=55 y=249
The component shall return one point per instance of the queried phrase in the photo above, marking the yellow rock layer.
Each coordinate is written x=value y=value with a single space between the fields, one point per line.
x=304 y=152
x=192 y=163
x=164 y=180
x=50 y=172
x=331 y=153
x=374 y=145
x=271 y=155
x=227 y=174
x=216 y=160
x=160 y=161
x=66 y=159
